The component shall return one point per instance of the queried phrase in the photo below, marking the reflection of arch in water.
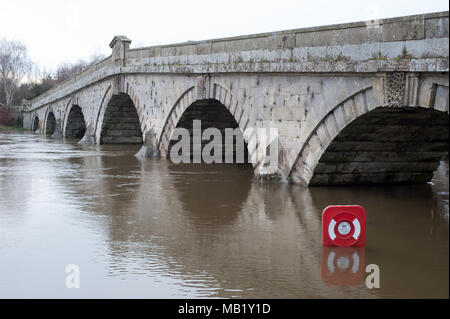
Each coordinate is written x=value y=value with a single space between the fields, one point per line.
x=258 y=242
x=120 y=177
x=107 y=184
x=214 y=193
x=263 y=246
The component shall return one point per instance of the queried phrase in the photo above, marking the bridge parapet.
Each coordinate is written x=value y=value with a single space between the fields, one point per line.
x=415 y=43
x=410 y=44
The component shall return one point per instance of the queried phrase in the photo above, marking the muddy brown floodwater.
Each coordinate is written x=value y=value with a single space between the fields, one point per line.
x=151 y=229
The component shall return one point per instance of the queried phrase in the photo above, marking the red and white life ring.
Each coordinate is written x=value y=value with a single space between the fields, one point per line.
x=343 y=226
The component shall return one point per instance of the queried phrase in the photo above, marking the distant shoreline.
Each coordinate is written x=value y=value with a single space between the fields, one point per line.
x=4 y=128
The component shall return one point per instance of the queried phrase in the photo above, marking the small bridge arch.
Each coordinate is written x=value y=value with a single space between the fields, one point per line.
x=50 y=122
x=74 y=124
x=121 y=123
x=109 y=122
x=35 y=123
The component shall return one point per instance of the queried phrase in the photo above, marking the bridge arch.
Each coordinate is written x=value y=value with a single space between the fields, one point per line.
x=357 y=143
x=50 y=122
x=120 y=121
x=35 y=123
x=74 y=124
x=108 y=97
x=219 y=109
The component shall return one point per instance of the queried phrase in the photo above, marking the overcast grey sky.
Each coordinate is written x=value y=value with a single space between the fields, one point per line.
x=58 y=31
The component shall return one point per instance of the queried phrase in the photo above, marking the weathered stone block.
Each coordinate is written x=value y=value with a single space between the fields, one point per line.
x=288 y=113
x=405 y=30
x=436 y=27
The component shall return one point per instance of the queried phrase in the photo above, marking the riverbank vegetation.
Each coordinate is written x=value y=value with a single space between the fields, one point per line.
x=6 y=116
x=12 y=129
x=10 y=118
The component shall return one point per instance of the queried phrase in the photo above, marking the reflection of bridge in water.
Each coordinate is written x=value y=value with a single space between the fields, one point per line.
x=247 y=239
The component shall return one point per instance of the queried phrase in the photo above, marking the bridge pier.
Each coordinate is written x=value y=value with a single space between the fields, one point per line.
x=87 y=139
x=58 y=131
x=150 y=147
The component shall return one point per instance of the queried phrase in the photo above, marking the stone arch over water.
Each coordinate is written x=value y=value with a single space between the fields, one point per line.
x=212 y=114
x=356 y=143
x=35 y=124
x=121 y=124
x=75 y=126
x=50 y=124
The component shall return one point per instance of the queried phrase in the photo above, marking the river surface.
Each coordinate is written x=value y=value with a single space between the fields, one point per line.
x=152 y=229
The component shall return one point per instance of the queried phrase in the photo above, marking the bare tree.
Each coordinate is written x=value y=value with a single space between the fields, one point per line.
x=14 y=64
x=67 y=70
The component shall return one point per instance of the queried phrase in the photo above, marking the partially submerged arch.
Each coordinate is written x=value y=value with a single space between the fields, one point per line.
x=217 y=107
x=50 y=124
x=75 y=124
x=207 y=114
x=35 y=124
x=121 y=124
x=360 y=144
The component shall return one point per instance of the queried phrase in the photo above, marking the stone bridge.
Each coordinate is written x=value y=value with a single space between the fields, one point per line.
x=355 y=103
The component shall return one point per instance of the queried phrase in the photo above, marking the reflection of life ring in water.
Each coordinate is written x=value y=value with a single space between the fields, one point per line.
x=344 y=226
x=342 y=266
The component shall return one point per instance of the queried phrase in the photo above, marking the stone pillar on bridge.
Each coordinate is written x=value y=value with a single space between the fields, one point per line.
x=120 y=44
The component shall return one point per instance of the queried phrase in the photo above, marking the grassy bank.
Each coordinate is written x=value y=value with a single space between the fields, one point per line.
x=12 y=129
